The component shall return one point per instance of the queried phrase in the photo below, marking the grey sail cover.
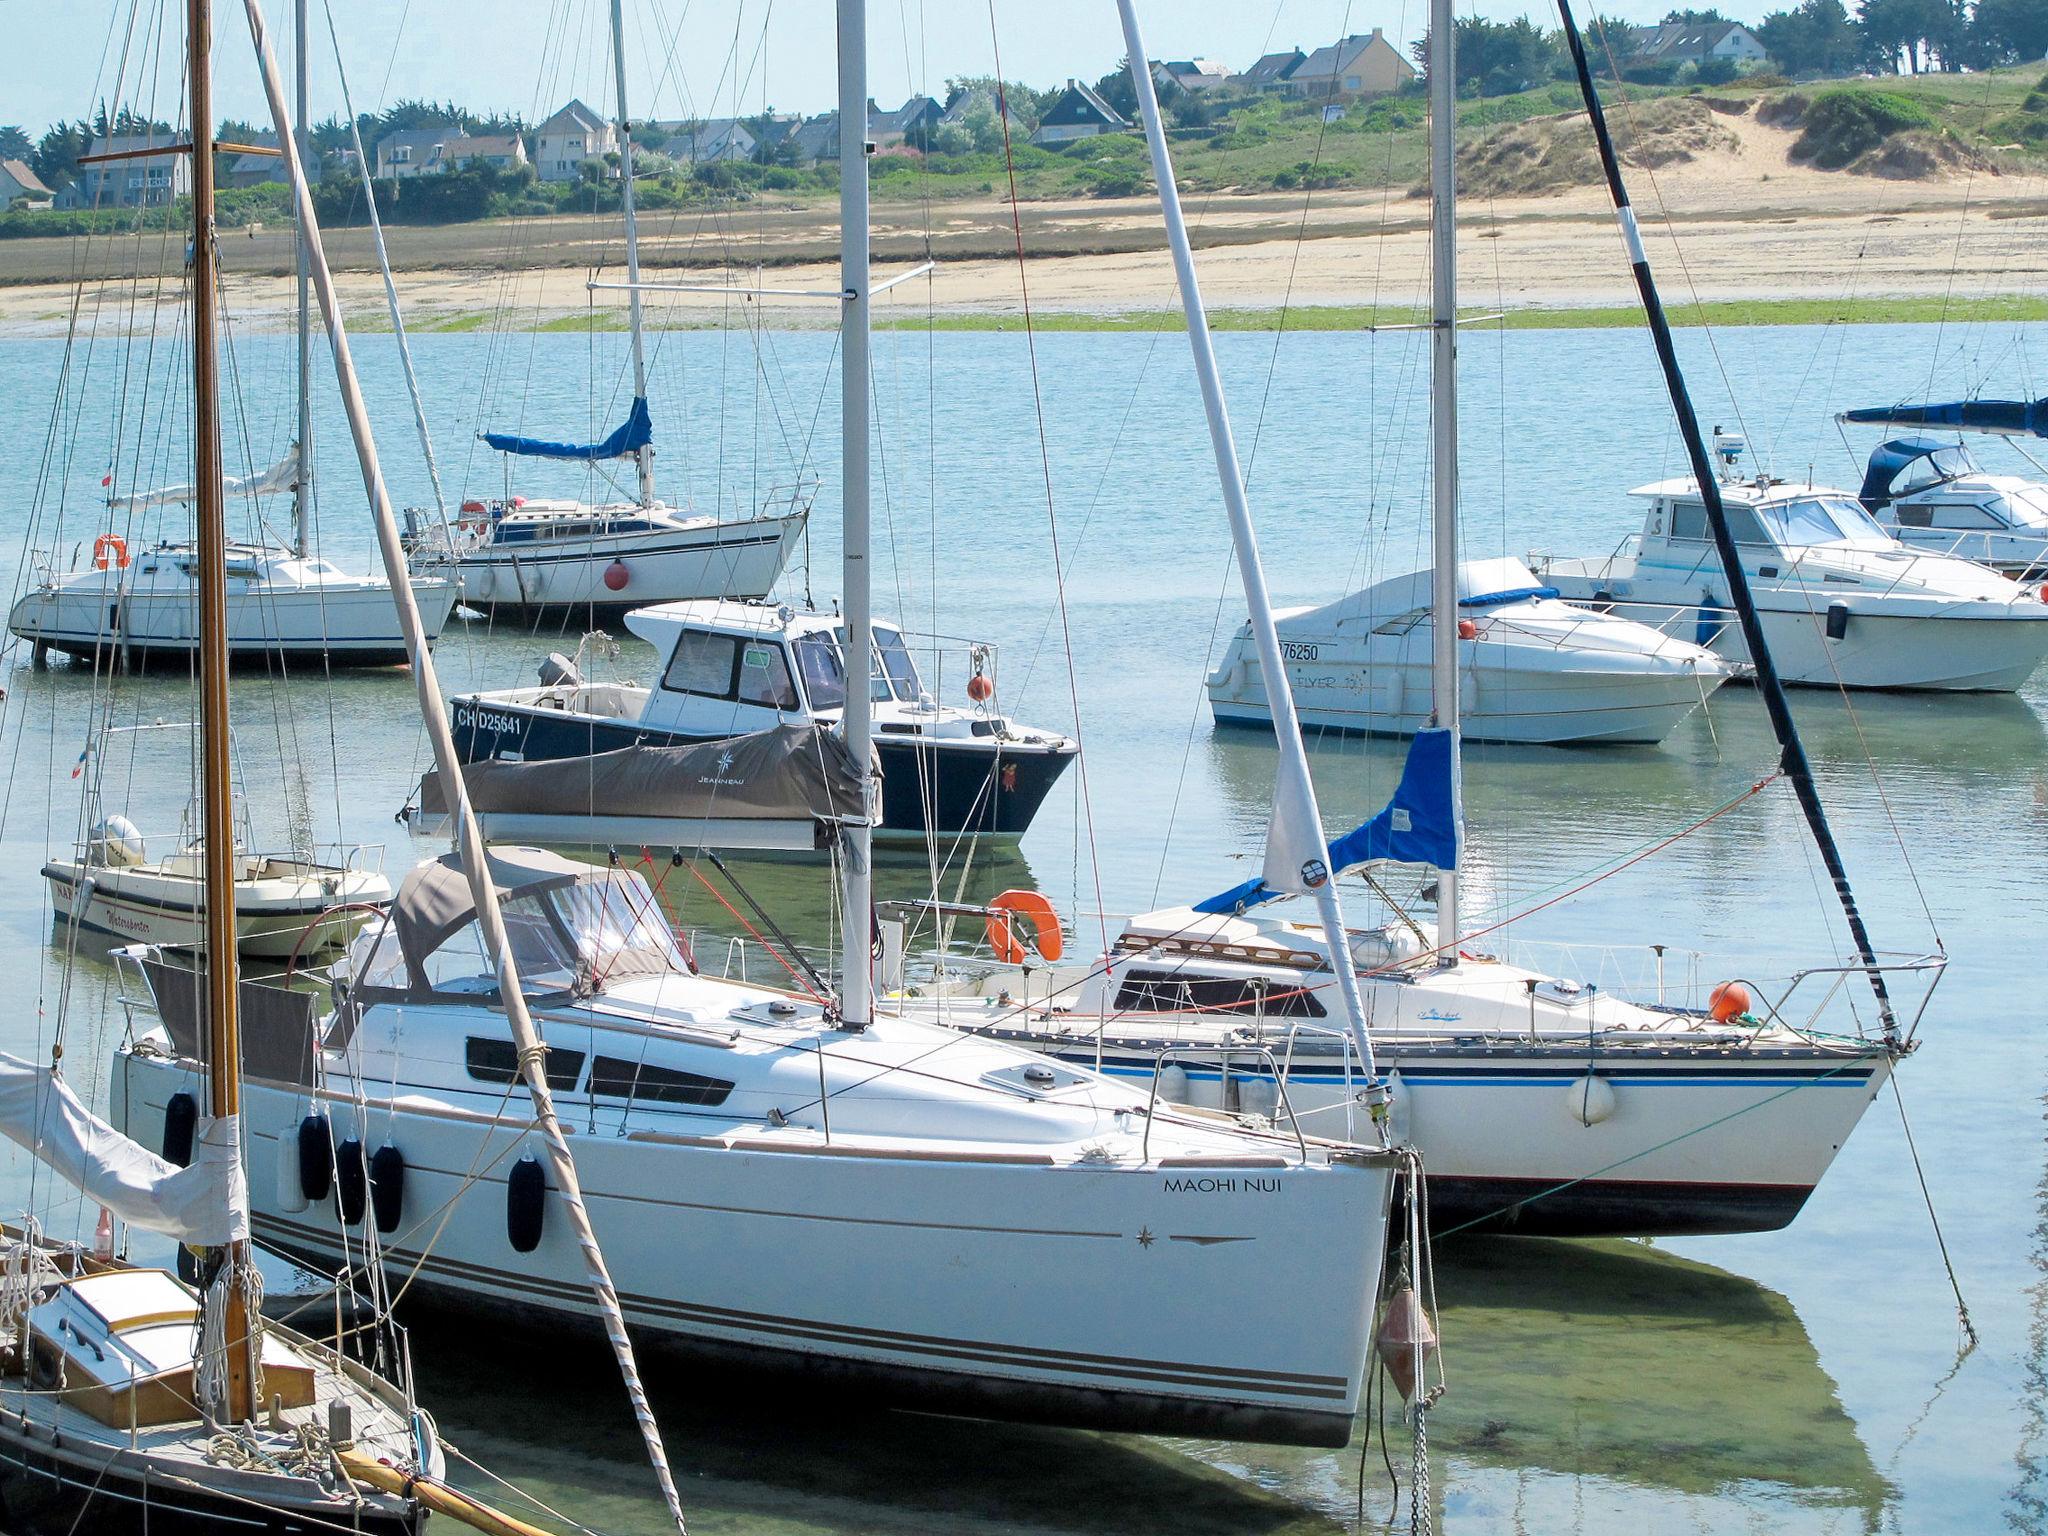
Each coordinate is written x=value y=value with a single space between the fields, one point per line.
x=789 y=773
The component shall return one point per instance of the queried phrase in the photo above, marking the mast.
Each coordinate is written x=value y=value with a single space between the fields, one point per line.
x=1443 y=407
x=469 y=840
x=223 y=1026
x=1294 y=794
x=856 y=987
x=643 y=456
x=302 y=500
x=1792 y=759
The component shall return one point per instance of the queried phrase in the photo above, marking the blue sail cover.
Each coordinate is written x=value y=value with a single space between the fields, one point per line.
x=1418 y=826
x=2012 y=418
x=635 y=433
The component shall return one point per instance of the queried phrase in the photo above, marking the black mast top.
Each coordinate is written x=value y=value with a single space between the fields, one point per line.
x=1792 y=759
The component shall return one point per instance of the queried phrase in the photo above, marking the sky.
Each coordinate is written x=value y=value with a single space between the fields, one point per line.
x=685 y=57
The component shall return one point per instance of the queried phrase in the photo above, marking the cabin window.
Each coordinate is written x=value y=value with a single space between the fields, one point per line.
x=1914 y=517
x=817 y=658
x=703 y=664
x=764 y=676
x=897 y=672
x=614 y=1077
x=1689 y=521
x=497 y=1061
x=1149 y=991
x=1960 y=516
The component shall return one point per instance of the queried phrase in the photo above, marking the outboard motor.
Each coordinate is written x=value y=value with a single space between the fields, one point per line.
x=559 y=671
x=116 y=843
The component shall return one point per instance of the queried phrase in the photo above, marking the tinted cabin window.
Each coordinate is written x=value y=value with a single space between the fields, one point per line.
x=817 y=657
x=764 y=676
x=497 y=1061
x=1689 y=521
x=1175 y=991
x=620 y=1079
x=703 y=664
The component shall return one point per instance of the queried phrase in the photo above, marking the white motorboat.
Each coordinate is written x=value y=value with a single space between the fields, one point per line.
x=727 y=669
x=531 y=556
x=1842 y=603
x=144 y=610
x=1932 y=495
x=771 y=1186
x=1536 y=669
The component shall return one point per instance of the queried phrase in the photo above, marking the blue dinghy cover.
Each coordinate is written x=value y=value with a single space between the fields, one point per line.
x=633 y=434
x=1417 y=826
x=2012 y=418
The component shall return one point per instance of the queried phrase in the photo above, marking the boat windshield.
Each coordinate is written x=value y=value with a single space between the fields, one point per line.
x=1934 y=468
x=817 y=658
x=617 y=924
x=2026 y=506
x=895 y=672
x=1821 y=520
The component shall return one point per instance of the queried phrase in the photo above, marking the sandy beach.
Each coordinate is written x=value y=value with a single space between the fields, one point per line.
x=1737 y=222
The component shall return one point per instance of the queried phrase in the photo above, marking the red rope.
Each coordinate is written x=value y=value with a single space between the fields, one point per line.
x=718 y=896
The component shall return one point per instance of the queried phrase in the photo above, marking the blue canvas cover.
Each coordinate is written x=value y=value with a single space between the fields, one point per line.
x=1417 y=826
x=633 y=434
x=1887 y=459
x=2013 y=418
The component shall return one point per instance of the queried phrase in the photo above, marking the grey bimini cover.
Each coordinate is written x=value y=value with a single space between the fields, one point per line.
x=791 y=773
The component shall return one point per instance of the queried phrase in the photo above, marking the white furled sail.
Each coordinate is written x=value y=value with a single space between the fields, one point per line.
x=206 y=1204
x=278 y=480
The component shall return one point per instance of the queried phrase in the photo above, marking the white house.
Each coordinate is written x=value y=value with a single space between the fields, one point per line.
x=1188 y=74
x=1686 y=42
x=500 y=151
x=148 y=182
x=21 y=186
x=573 y=135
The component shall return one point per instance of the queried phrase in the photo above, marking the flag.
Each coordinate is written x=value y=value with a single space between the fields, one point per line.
x=79 y=767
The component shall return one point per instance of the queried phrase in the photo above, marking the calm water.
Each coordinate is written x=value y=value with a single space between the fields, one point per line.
x=1804 y=1380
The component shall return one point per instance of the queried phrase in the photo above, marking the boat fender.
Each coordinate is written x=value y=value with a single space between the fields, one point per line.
x=526 y=1203
x=181 y=1119
x=387 y=1186
x=1728 y=1002
x=118 y=843
x=291 y=1195
x=1590 y=1099
x=559 y=669
x=1173 y=1083
x=1406 y=1342
x=1259 y=1096
x=617 y=575
x=1468 y=629
x=1837 y=620
x=316 y=1158
x=351 y=1180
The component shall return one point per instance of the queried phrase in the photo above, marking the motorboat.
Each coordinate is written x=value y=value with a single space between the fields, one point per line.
x=1842 y=603
x=142 y=609
x=530 y=557
x=727 y=669
x=1646 y=1100
x=1932 y=495
x=1536 y=669
x=774 y=1187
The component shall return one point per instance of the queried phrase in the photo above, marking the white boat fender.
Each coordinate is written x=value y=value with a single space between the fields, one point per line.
x=118 y=843
x=181 y=1119
x=1258 y=1096
x=387 y=1186
x=1590 y=1099
x=351 y=1180
x=291 y=1193
x=526 y=1203
x=316 y=1158
x=1173 y=1083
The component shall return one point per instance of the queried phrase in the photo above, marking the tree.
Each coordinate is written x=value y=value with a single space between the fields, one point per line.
x=55 y=160
x=1692 y=18
x=1499 y=58
x=1816 y=38
x=1116 y=89
x=1026 y=107
x=14 y=144
x=2004 y=31
x=1611 y=35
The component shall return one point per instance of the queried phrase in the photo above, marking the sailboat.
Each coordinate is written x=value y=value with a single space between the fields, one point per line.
x=139 y=606
x=535 y=557
x=1931 y=494
x=793 y=1177
x=1540 y=1103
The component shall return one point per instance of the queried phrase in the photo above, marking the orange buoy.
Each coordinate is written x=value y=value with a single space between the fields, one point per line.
x=2044 y=592
x=1038 y=912
x=616 y=576
x=1728 y=1001
x=109 y=548
x=474 y=506
x=1467 y=630
x=1406 y=1342
x=980 y=689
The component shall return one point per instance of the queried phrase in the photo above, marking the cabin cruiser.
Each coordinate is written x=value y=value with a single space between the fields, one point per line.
x=773 y=1187
x=733 y=668
x=1535 y=669
x=1932 y=495
x=1542 y=1104
x=144 y=609
x=1842 y=604
x=531 y=556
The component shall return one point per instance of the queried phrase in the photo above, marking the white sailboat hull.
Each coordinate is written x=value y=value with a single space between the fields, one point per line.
x=274 y=917
x=692 y=558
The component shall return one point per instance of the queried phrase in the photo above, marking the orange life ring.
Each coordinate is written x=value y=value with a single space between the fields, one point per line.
x=1035 y=909
x=109 y=544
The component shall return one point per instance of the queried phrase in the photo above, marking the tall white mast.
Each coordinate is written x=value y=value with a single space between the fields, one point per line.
x=1294 y=796
x=643 y=456
x=1443 y=400
x=302 y=498
x=856 y=990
